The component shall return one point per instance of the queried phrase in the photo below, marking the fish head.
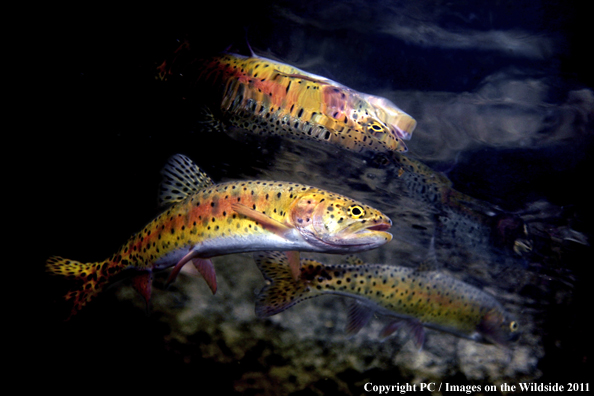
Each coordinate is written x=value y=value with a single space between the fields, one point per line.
x=499 y=327
x=334 y=223
x=388 y=124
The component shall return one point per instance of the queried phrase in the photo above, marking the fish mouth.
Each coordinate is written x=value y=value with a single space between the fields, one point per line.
x=368 y=236
x=378 y=227
x=365 y=239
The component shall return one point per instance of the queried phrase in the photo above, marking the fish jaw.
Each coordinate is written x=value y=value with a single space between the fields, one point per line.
x=358 y=239
x=347 y=242
x=337 y=224
x=403 y=126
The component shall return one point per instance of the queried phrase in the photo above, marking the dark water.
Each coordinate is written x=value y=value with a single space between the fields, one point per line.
x=502 y=93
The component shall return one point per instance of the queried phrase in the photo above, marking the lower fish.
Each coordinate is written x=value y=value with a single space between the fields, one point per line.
x=205 y=220
x=411 y=298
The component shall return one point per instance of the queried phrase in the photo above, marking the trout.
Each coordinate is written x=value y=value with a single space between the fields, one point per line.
x=205 y=220
x=267 y=97
x=411 y=298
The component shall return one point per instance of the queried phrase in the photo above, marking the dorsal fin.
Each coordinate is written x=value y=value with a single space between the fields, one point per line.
x=430 y=262
x=247 y=43
x=354 y=260
x=282 y=291
x=181 y=178
x=239 y=46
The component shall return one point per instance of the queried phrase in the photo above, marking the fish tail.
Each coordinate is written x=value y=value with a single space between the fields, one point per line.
x=282 y=291
x=85 y=279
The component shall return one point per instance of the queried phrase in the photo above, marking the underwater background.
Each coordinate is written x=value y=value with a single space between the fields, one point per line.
x=502 y=93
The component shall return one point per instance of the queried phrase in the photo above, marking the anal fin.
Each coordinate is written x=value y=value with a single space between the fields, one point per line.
x=143 y=283
x=413 y=328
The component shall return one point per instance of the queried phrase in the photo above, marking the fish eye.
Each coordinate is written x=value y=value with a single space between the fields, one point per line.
x=380 y=131
x=356 y=211
x=376 y=130
x=513 y=326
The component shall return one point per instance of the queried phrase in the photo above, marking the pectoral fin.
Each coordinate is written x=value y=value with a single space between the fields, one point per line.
x=276 y=227
x=294 y=264
x=267 y=222
x=302 y=77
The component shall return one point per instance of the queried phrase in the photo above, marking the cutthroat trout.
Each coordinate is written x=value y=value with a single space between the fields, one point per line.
x=411 y=298
x=206 y=220
x=267 y=97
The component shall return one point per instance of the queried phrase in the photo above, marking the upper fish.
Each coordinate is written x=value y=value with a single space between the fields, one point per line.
x=205 y=219
x=264 y=96
x=411 y=298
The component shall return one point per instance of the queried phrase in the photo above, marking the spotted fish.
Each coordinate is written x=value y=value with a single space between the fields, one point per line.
x=469 y=221
x=411 y=298
x=206 y=220
x=269 y=97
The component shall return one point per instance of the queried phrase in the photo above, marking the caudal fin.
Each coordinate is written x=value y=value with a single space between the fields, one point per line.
x=282 y=290
x=85 y=279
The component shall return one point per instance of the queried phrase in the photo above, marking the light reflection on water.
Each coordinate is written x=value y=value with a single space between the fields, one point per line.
x=495 y=114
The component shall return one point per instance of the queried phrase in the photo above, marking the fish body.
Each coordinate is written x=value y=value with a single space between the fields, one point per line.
x=206 y=220
x=468 y=220
x=420 y=181
x=272 y=98
x=411 y=298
